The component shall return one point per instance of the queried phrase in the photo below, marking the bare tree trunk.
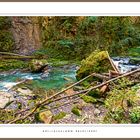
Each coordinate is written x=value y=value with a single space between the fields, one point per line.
x=26 y=33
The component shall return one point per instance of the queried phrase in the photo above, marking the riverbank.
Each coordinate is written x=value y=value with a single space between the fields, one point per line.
x=22 y=90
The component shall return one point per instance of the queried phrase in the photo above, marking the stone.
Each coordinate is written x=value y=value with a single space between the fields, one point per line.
x=5 y=98
x=134 y=61
x=97 y=112
x=46 y=116
x=25 y=92
x=67 y=79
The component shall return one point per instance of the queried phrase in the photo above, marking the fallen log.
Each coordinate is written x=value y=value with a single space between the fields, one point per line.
x=8 y=55
x=18 y=57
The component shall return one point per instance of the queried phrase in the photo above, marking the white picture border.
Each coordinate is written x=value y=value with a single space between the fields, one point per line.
x=70 y=9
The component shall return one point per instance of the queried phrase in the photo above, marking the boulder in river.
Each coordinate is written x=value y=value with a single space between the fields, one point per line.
x=38 y=65
x=134 y=61
x=25 y=92
x=5 y=98
x=97 y=62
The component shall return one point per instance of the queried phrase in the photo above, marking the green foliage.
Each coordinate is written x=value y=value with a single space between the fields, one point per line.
x=6 y=38
x=95 y=93
x=76 y=37
x=88 y=99
x=58 y=62
x=135 y=115
x=6 y=41
x=121 y=104
x=86 y=24
x=59 y=116
x=5 y=22
x=12 y=64
x=135 y=52
x=75 y=110
x=65 y=43
x=41 y=53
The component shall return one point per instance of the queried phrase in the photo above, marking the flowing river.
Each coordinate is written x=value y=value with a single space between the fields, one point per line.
x=57 y=78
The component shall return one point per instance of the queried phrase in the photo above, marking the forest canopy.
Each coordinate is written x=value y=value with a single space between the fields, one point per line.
x=69 y=37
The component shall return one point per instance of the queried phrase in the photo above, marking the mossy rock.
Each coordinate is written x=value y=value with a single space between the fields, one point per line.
x=135 y=61
x=75 y=110
x=88 y=99
x=95 y=93
x=37 y=65
x=59 y=116
x=46 y=116
x=97 y=62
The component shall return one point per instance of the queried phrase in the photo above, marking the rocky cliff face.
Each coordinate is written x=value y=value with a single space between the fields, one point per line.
x=26 y=33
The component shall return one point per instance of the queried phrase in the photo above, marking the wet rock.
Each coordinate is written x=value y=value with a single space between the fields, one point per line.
x=116 y=58
x=25 y=92
x=5 y=98
x=67 y=79
x=38 y=65
x=135 y=61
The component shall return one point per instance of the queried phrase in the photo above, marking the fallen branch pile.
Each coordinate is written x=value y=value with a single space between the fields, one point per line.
x=83 y=92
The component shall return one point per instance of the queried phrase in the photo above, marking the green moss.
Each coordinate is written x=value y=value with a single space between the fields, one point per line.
x=59 y=116
x=4 y=22
x=41 y=53
x=95 y=93
x=135 y=52
x=88 y=99
x=135 y=60
x=75 y=110
x=122 y=104
x=135 y=115
x=12 y=64
x=97 y=62
x=6 y=115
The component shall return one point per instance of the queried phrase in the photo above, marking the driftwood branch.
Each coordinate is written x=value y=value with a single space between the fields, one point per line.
x=112 y=63
x=88 y=90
